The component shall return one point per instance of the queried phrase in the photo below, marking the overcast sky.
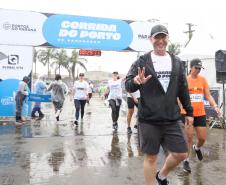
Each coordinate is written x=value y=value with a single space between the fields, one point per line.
x=208 y=16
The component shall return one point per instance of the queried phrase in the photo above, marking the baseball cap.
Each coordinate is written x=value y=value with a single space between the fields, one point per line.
x=157 y=29
x=196 y=63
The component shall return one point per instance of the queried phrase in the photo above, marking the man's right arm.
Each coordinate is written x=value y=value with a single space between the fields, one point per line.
x=129 y=83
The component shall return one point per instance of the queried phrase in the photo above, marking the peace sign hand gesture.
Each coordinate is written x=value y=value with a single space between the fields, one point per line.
x=140 y=78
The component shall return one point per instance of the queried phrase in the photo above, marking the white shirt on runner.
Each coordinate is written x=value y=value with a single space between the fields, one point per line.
x=163 y=68
x=81 y=90
x=115 y=88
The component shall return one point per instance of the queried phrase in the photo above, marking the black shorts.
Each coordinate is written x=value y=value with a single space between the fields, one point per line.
x=171 y=136
x=200 y=121
x=131 y=103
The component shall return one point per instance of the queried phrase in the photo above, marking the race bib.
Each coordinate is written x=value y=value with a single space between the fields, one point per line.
x=196 y=97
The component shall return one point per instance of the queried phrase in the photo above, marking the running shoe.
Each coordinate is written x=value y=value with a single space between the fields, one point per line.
x=135 y=131
x=129 y=130
x=161 y=182
x=76 y=122
x=115 y=126
x=186 y=166
x=198 y=153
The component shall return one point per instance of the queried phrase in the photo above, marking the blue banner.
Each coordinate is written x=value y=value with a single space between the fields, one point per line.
x=87 y=32
x=39 y=97
x=7 y=98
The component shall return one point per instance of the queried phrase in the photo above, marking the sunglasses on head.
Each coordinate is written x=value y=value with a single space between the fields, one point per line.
x=198 y=68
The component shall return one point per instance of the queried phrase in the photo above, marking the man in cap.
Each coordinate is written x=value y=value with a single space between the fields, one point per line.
x=21 y=95
x=160 y=78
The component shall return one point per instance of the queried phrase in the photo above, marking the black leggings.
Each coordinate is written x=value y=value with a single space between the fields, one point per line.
x=115 y=109
x=79 y=104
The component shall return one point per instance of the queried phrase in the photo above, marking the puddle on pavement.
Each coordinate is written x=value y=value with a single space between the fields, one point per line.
x=42 y=150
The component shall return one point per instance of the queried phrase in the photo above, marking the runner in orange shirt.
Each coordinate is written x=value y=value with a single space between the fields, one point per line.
x=198 y=89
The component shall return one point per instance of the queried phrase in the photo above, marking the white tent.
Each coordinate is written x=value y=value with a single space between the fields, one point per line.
x=203 y=46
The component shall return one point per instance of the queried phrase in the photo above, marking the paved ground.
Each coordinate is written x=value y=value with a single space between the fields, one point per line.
x=50 y=153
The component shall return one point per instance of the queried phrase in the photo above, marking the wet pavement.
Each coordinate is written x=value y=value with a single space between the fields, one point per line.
x=47 y=152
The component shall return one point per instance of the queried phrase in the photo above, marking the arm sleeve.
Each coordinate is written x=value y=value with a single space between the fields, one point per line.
x=129 y=83
x=183 y=93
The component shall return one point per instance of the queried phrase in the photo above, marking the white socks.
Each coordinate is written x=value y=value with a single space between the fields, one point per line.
x=161 y=177
x=196 y=148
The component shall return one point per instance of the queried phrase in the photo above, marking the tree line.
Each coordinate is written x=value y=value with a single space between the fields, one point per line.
x=57 y=59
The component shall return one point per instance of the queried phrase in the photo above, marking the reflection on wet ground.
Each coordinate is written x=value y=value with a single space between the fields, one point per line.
x=50 y=153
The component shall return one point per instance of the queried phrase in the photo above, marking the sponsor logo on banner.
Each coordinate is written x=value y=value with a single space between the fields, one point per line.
x=13 y=59
x=17 y=27
x=21 y=28
x=17 y=62
x=13 y=63
x=141 y=33
x=8 y=100
x=87 y=32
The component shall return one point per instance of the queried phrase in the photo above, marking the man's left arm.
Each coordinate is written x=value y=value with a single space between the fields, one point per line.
x=183 y=93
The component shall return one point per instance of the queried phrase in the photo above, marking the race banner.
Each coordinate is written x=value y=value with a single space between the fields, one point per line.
x=72 y=31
